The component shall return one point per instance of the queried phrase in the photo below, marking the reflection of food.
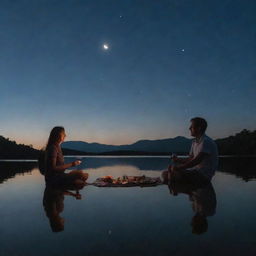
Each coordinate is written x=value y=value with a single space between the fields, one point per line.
x=107 y=179
x=128 y=181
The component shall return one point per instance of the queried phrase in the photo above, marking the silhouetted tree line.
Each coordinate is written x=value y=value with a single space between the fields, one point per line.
x=242 y=143
x=11 y=150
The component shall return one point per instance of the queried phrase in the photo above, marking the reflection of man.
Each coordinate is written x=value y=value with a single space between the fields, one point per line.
x=202 y=163
x=53 y=203
x=203 y=203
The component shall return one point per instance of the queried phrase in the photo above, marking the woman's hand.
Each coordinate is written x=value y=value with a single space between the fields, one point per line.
x=78 y=196
x=77 y=162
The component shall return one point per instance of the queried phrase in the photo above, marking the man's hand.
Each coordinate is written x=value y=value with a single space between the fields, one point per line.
x=175 y=168
x=175 y=159
x=195 y=161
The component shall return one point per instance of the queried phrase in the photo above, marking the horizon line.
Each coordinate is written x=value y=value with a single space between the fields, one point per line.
x=39 y=147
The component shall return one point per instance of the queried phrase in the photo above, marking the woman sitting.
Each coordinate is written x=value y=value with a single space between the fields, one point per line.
x=54 y=162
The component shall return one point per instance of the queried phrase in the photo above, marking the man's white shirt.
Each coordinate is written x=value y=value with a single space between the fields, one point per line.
x=210 y=163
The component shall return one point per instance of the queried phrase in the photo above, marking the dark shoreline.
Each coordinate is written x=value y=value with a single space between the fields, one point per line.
x=110 y=156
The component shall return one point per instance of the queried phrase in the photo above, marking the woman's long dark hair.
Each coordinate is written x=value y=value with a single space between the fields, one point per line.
x=55 y=135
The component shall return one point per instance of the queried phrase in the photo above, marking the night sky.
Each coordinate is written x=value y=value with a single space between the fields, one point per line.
x=163 y=63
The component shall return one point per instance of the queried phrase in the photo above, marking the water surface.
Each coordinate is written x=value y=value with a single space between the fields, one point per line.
x=128 y=221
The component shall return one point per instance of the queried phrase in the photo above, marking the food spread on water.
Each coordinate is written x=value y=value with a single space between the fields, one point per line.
x=127 y=181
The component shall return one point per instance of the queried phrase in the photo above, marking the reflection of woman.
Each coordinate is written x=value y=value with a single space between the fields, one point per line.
x=203 y=200
x=53 y=202
x=54 y=160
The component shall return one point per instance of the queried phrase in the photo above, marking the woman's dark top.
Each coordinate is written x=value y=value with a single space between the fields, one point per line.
x=53 y=158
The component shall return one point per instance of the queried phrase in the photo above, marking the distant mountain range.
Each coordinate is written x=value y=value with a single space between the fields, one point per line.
x=242 y=143
x=177 y=144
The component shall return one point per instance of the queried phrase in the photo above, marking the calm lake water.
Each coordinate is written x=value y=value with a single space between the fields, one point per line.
x=129 y=221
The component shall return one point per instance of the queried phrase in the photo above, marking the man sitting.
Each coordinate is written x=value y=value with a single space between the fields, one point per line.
x=202 y=163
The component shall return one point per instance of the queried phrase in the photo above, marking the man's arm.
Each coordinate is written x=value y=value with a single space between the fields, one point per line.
x=179 y=160
x=191 y=163
x=184 y=160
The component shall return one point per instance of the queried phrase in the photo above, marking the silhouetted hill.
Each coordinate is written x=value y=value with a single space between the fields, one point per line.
x=11 y=150
x=88 y=147
x=243 y=143
x=178 y=144
x=70 y=152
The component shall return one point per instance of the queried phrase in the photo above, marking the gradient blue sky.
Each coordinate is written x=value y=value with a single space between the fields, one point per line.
x=167 y=61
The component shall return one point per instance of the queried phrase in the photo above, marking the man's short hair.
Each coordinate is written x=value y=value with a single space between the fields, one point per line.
x=200 y=122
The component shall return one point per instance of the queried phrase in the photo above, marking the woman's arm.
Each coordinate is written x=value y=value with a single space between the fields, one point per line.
x=59 y=168
x=52 y=159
